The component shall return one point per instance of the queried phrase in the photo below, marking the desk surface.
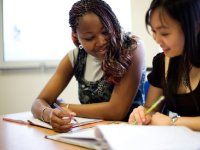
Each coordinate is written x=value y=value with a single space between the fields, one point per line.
x=27 y=137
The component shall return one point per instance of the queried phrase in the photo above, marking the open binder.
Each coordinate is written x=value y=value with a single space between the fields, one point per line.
x=129 y=137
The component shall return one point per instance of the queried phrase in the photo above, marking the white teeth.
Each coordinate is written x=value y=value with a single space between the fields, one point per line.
x=101 y=50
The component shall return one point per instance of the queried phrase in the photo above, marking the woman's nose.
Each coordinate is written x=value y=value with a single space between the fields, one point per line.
x=101 y=40
x=157 y=38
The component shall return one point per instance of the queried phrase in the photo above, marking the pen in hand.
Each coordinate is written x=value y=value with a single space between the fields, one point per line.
x=152 y=107
x=57 y=106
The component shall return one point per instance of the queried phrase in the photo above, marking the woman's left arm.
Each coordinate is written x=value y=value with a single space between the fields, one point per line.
x=126 y=90
x=123 y=93
x=190 y=122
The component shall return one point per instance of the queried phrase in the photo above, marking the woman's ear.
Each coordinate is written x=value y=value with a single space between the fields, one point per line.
x=75 y=39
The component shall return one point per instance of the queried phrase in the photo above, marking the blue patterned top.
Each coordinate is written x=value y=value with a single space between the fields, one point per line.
x=100 y=90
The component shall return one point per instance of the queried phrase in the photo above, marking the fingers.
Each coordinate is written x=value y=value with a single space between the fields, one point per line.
x=61 y=128
x=138 y=116
x=60 y=120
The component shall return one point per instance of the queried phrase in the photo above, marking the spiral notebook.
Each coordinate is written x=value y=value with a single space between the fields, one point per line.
x=129 y=137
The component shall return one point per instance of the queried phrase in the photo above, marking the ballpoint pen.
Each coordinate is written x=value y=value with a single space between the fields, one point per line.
x=57 y=106
x=155 y=104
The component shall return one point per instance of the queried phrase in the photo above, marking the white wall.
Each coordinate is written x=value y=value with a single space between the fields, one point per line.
x=18 y=89
x=139 y=8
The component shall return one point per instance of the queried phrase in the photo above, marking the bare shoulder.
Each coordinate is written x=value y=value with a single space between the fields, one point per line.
x=65 y=65
x=138 y=59
x=138 y=45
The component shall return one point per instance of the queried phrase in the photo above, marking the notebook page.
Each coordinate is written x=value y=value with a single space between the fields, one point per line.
x=83 y=137
x=129 y=137
x=37 y=122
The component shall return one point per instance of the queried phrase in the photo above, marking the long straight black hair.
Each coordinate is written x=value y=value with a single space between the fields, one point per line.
x=187 y=13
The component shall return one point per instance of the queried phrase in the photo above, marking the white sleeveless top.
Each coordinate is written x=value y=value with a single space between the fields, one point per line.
x=93 y=70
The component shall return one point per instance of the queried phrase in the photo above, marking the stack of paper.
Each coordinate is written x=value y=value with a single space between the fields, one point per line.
x=129 y=137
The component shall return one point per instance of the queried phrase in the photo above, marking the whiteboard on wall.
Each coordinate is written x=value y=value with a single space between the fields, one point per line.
x=36 y=33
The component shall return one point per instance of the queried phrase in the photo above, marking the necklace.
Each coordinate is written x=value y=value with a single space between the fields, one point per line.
x=185 y=80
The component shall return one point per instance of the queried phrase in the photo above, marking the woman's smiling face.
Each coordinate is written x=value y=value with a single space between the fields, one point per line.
x=168 y=33
x=92 y=35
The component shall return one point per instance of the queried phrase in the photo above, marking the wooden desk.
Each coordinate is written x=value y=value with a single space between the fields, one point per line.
x=15 y=136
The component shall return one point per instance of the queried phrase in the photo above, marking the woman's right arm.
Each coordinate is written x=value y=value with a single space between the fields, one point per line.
x=41 y=106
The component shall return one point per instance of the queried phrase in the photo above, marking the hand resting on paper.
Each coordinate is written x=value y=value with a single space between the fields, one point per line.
x=60 y=120
x=160 y=119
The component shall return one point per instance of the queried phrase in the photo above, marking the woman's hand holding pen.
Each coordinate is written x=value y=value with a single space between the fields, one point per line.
x=60 y=120
x=139 y=116
x=142 y=116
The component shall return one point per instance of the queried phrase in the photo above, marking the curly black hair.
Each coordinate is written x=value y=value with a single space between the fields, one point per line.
x=121 y=45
